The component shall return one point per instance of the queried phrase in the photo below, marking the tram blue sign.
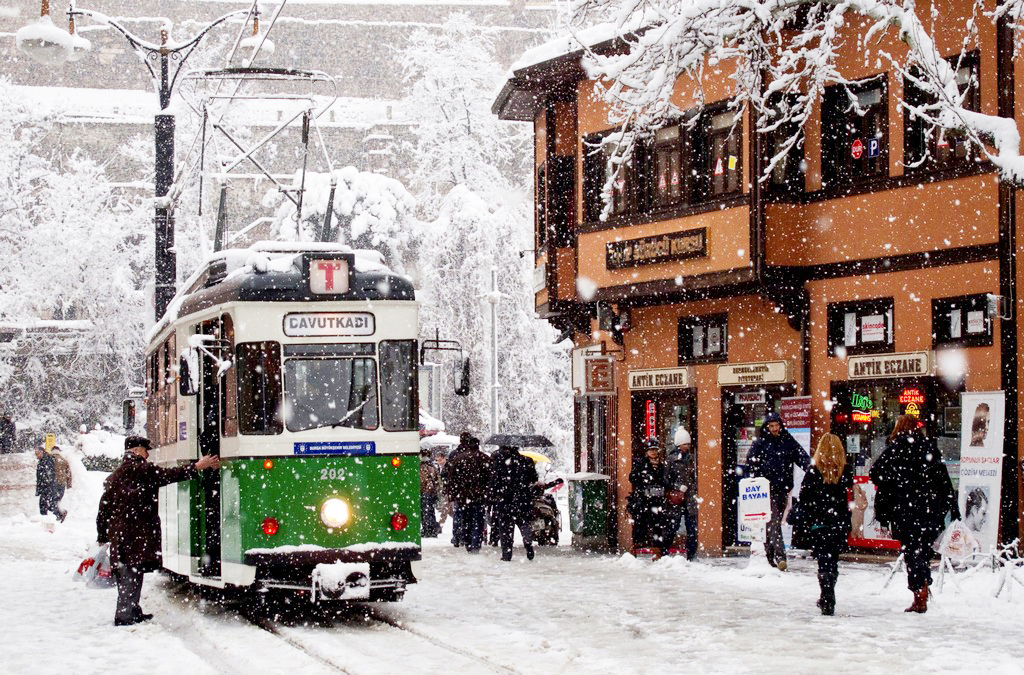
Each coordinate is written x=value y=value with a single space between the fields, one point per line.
x=336 y=448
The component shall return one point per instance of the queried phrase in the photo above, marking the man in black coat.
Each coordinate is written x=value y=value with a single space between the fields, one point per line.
x=8 y=431
x=468 y=474
x=129 y=519
x=47 y=489
x=773 y=456
x=512 y=490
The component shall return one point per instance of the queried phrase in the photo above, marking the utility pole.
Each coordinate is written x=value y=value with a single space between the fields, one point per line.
x=494 y=297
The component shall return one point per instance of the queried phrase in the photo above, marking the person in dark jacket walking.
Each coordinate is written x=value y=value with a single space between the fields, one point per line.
x=8 y=432
x=458 y=529
x=647 y=504
x=469 y=474
x=773 y=456
x=825 y=513
x=914 y=494
x=683 y=467
x=129 y=519
x=512 y=491
x=47 y=488
x=430 y=488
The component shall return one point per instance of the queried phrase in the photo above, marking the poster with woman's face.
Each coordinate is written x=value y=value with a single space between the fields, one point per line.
x=981 y=464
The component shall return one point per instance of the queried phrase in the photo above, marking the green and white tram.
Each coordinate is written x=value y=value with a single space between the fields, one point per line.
x=297 y=367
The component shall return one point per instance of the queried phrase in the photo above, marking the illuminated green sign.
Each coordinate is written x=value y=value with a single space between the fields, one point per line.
x=861 y=402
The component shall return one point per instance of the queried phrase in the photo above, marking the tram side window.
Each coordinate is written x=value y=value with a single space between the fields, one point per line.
x=398 y=385
x=259 y=387
x=229 y=384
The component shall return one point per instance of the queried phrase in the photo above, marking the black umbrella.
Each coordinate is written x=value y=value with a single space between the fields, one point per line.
x=519 y=441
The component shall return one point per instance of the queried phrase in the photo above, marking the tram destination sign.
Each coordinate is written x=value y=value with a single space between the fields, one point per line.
x=328 y=324
x=657 y=249
x=904 y=364
x=660 y=378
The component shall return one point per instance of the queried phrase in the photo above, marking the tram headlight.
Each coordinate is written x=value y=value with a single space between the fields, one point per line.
x=334 y=513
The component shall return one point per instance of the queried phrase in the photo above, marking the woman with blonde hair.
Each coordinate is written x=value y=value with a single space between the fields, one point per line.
x=825 y=513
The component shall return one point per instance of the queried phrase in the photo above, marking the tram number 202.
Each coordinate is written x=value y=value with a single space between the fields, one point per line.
x=332 y=474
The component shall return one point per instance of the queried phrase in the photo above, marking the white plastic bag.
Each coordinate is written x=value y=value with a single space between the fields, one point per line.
x=957 y=542
x=95 y=569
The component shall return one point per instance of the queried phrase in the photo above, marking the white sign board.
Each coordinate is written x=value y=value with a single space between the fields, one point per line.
x=328 y=276
x=660 y=378
x=902 y=364
x=310 y=324
x=755 y=506
x=764 y=372
x=540 y=278
x=981 y=464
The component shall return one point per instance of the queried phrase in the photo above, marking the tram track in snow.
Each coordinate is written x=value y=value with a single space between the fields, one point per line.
x=360 y=654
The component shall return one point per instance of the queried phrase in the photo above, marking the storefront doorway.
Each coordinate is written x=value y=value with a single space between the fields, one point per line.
x=657 y=414
x=743 y=412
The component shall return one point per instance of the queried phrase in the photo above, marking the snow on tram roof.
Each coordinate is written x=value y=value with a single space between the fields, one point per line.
x=281 y=257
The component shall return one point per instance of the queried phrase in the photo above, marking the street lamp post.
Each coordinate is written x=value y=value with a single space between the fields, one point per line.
x=164 y=78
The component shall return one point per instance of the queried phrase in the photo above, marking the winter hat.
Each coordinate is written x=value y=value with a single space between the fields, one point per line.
x=682 y=437
x=137 y=442
x=772 y=417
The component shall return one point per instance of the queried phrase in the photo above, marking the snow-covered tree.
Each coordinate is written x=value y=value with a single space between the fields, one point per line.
x=74 y=260
x=781 y=54
x=468 y=175
x=369 y=211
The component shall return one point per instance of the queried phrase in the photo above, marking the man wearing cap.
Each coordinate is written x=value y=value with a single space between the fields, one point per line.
x=129 y=520
x=773 y=456
x=684 y=475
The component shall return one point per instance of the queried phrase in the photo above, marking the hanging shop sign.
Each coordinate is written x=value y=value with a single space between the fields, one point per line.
x=540 y=278
x=749 y=397
x=658 y=249
x=579 y=370
x=764 y=372
x=660 y=378
x=981 y=464
x=904 y=364
x=600 y=376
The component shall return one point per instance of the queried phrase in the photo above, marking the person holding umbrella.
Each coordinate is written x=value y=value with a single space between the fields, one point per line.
x=512 y=490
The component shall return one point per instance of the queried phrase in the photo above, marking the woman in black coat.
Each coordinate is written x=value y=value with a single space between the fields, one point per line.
x=825 y=513
x=914 y=495
x=651 y=479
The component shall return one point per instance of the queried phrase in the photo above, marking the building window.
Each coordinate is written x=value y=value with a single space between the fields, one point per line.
x=723 y=136
x=542 y=211
x=961 y=322
x=787 y=175
x=928 y=148
x=671 y=166
x=598 y=153
x=860 y=327
x=703 y=339
x=855 y=137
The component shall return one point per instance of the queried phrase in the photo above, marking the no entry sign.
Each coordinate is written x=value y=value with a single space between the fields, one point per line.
x=755 y=505
x=857 y=149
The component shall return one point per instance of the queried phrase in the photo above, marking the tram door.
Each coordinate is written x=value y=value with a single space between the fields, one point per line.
x=208 y=406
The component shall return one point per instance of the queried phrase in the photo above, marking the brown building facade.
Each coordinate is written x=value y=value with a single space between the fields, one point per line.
x=857 y=281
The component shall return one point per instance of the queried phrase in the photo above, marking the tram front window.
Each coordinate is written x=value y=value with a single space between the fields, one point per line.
x=331 y=393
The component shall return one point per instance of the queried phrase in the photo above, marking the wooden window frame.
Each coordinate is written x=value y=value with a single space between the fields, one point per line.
x=787 y=177
x=941 y=308
x=836 y=326
x=841 y=125
x=706 y=163
x=918 y=138
x=685 y=338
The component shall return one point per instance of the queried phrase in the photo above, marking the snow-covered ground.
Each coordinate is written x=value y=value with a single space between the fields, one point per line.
x=564 y=612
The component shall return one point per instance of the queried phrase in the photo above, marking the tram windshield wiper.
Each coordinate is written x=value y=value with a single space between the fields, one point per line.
x=350 y=413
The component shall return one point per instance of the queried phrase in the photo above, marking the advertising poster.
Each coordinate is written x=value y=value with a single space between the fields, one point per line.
x=866 y=531
x=981 y=464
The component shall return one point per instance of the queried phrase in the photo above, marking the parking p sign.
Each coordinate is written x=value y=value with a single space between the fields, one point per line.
x=755 y=507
